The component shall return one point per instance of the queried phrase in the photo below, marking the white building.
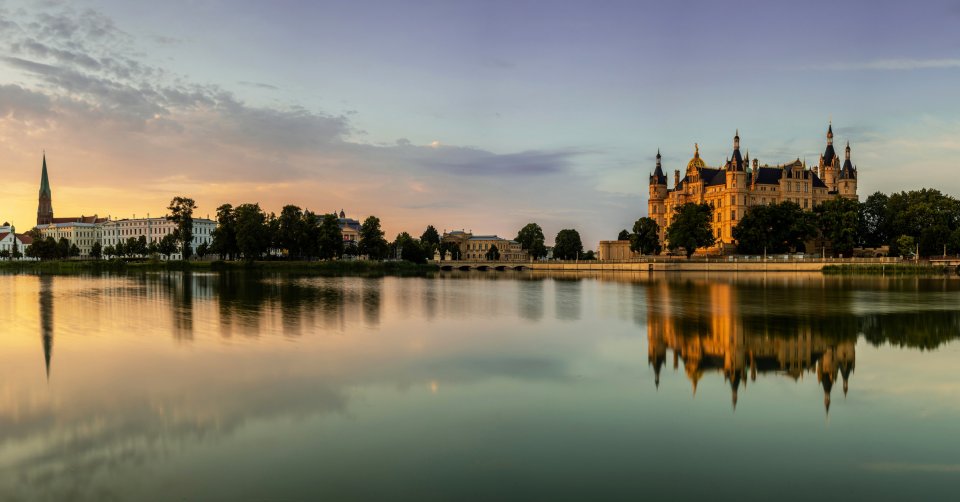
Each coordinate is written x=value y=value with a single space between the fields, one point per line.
x=83 y=234
x=11 y=241
x=154 y=229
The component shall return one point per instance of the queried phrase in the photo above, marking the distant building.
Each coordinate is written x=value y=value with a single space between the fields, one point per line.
x=350 y=228
x=615 y=250
x=475 y=247
x=11 y=241
x=154 y=229
x=735 y=186
x=83 y=233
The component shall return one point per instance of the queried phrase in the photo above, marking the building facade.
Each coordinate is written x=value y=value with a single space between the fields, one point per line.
x=475 y=247
x=13 y=245
x=155 y=229
x=732 y=188
x=349 y=228
x=83 y=232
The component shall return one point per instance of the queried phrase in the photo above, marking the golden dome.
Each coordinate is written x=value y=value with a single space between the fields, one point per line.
x=696 y=162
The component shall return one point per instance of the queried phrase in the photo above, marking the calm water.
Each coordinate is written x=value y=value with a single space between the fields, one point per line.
x=478 y=386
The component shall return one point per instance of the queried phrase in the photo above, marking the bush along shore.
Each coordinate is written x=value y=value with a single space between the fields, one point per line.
x=334 y=267
x=890 y=269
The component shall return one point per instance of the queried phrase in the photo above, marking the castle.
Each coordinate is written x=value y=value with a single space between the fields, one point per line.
x=733 y=188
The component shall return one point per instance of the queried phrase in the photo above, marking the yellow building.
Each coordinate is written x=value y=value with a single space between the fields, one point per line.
x=475 y=247
x=731 y=189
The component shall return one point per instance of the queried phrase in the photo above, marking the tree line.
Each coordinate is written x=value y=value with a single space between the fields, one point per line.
x=924 y=222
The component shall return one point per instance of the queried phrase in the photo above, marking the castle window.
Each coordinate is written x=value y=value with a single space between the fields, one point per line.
x=733 y=214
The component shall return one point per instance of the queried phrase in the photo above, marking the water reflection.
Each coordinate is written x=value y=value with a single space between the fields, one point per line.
x=742 y=329
x=265 y=369
x=46 y=319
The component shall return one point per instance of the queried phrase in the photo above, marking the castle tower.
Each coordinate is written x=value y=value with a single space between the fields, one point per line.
x=847 y=184
x=737 y=186
x=45 y=205
x=829 y=166
x=656 y=206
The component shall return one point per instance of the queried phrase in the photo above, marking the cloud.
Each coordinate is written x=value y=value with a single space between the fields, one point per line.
x=258 y=85
x=895 y=65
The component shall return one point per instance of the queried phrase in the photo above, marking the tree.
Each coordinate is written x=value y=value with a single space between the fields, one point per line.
x=252 y=232
x=63 y=248
x=408 y=248
x=430 y=240
x=493 y=254
x=926 y=215
x=372 y=242
x=839 y=223
x=109 y=251
x=74 y=251
x=905 y=245
x=330 y=238
x=310 y=235
x=120 y=249
x=451 y=249
x=167 y=245
x=624 y=235
x=225 y=235
x=96 y=251
x=141 y=247
x=181 y=214
x=290 y=230
x=690 y=228
x=646 y=236
x=15 y=253
x=567 y=245
x=5 y=254
x=588 y=255
x=531 y=239
x=202 y=250
x=876 y=220
x=774 y=228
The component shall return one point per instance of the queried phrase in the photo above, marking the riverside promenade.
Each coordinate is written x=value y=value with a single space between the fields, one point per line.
x=674 y=264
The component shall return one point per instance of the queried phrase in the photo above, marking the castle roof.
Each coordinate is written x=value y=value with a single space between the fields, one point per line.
x=696 y=162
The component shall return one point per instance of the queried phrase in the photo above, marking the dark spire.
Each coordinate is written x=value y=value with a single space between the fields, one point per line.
x=658 y=177
x=848 y=171
x=44 y=180
x=829 y=155
x=736 y=160
x=44 y=204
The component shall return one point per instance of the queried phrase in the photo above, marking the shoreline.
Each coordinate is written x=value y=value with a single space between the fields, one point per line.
x=402 y=268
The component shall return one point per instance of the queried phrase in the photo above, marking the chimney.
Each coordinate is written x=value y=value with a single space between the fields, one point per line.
x=676 y=178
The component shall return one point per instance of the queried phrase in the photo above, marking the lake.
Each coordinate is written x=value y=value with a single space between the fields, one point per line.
x=479 y=386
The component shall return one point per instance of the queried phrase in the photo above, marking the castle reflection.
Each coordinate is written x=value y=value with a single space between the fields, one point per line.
x=715 y=328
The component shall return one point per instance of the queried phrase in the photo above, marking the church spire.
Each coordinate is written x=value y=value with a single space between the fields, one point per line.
x=44 y=205
x=44 y=180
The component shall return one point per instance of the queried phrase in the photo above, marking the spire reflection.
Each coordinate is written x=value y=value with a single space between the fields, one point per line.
x=46 y=319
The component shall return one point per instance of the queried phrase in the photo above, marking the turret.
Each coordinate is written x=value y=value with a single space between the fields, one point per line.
x=829 y=163
x=656 y=208
x=736 y=160
x=676 y=179
x=847 y=183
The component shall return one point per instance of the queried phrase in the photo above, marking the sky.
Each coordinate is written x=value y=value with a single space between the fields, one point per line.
x=481 y=116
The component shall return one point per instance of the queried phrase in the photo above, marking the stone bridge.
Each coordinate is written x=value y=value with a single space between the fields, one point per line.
x=482 y=265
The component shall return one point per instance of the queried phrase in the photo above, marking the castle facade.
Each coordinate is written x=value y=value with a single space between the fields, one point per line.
x=731 y=189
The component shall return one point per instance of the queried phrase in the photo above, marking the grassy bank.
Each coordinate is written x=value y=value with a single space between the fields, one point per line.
x=891 y=269
x=364 y=268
